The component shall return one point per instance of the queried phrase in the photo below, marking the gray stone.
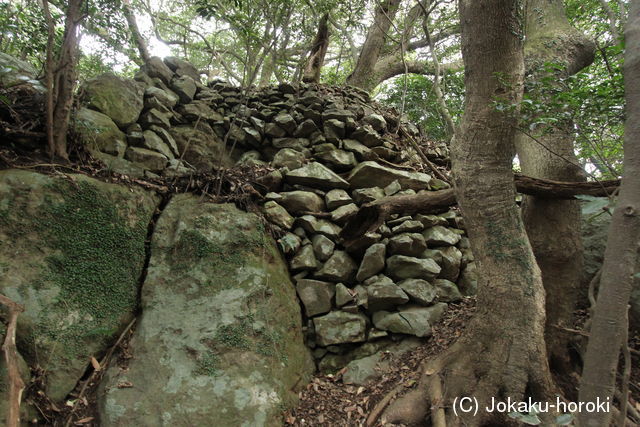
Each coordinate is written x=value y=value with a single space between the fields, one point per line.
x=450 y=263
x=202 y=349
x=447 y=291
x=165 y=97
x=409 y=244
x=372 y=174
x=296 y=202
x=440 y=236
x=286 y=122
x=305 y=259
x=278 y=215
x=298 y=144
x=431 y=220
x=199 y=110
x=367 y=136
x=403 y=267
x=419 y=290
x=341 y=115
x=342 y=214
x=322 y=247
x=75 y=278
x=334 y=130
x=366 y=195
x=338 y=160
x=117 y=97
x=392 y=188
x=340 y=267
x=361 y=151
x=99 y=132
x=289 y=158
x=155 y=117
x=339 y=327
x=409 y=226
x=316 y=296
x=383 y=294
x=156 y=68
x=376 y=121
x=411 y=323
x=199 y=146
x=372 y=262
x=358 y=246
x=272 y=129
x=343 y=295
x=316 y=175
x=184 y=87
x=14 y=72
x=305 y=129
x=336 y=198
x=182 y=67
x=151 y=160
x=153 y=142
x=166 y=138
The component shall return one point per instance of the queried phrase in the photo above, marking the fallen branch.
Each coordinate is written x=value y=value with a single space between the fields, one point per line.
x=371 y=215
x=16 y=385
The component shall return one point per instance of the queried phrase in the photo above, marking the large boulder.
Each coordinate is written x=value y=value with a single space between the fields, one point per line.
x=199 y=146
x=72 y=252
x=120 y=99
x=219 y=339
x=99 y=132
x=14 y=71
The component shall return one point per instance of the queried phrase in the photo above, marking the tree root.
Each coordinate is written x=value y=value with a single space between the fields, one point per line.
x=16 y=384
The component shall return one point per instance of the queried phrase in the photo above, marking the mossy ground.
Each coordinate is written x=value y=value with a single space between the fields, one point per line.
x=96 y=261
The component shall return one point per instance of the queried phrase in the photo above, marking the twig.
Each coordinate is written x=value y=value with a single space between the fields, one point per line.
x=16 y=385
x=103 y=364
x=377 y=410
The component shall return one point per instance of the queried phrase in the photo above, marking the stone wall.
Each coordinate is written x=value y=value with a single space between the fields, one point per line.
x=332 y=149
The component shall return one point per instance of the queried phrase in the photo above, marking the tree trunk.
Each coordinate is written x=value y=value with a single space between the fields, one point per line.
x=553 y=226
x=621 y=256
x=502 y=351
x=140 y=42
x=362 y=75
x=65 y=78
x=318 y=52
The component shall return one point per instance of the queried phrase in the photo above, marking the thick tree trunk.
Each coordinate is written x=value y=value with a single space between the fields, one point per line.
x=318 y=52
x=553 y=226
x=362 y=75
x=502 y=351
x=623 y=244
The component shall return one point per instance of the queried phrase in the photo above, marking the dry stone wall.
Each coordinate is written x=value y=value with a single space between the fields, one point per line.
x=331 y=149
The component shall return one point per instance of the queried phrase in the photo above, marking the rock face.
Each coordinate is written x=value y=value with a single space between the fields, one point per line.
x=219 y=338
x=100 y=132
x=72 y=253
x=116 y=97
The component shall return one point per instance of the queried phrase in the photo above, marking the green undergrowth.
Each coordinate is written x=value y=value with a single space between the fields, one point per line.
x=96 y=262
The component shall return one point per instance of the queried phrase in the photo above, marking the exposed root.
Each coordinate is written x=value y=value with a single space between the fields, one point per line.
x=16 y=384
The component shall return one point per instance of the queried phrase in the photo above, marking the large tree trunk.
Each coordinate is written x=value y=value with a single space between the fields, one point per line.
x=318 y=52
x=621 y=255
x=553 y=226
x=140 y=41
x=362 y=75
x=502 y=352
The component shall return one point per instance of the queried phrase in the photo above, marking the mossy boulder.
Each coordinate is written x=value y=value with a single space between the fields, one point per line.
x=219 y=340
x=120 y=99
x=72 y=252
x=99 y=132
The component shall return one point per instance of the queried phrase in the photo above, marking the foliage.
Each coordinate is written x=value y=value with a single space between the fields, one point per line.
x=421 y=104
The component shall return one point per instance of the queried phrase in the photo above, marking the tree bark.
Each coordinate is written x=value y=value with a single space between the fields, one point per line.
x=502 y=352
x=623 y=244
x=371 y=215
x=553 y=226
x=140 y=42
x=318 y=51
x=362 y=75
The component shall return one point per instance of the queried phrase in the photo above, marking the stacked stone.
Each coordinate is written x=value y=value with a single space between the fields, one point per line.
x=332 y=150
